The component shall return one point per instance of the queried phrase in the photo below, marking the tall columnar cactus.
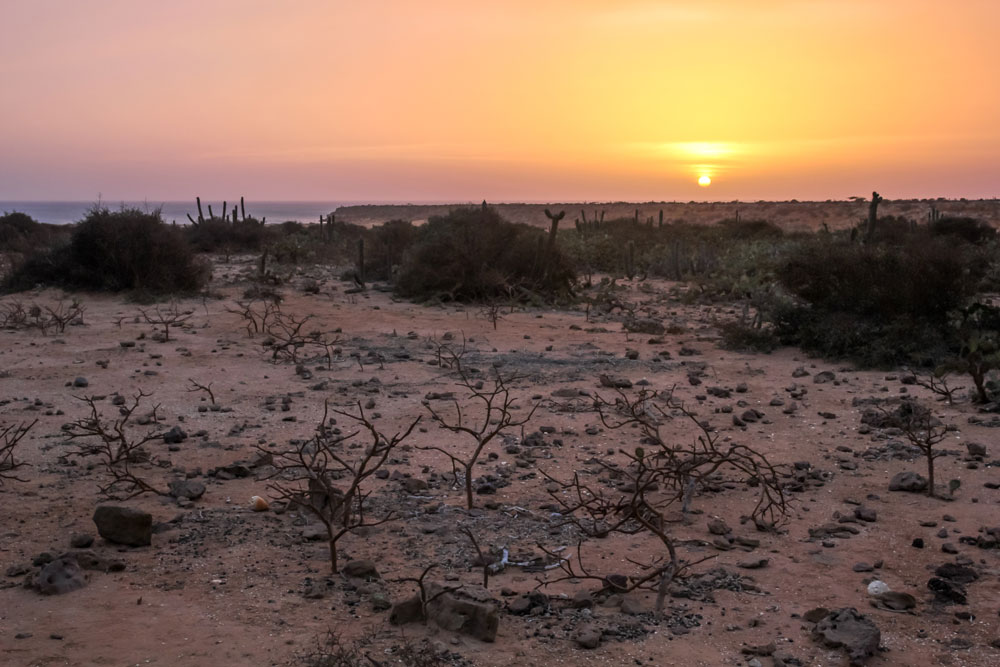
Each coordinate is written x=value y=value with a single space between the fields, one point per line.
x=630 y=260
x=361 y=259
x=225 y=213
x=872 y=216
x=934 y=215
x=554 y=229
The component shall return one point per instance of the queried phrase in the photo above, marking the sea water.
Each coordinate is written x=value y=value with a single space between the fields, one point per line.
x=66 y=212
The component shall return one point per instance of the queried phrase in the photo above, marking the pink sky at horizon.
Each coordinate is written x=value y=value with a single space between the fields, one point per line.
x=551 y=100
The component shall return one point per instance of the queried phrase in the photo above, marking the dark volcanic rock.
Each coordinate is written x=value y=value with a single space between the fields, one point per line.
x=175 y=436
x=469 y=611
x=62 y=575
x=187 y=488
x=947 y=591
x=908 y=481
x=124 y=525
x=362 y=569
x=848 y=629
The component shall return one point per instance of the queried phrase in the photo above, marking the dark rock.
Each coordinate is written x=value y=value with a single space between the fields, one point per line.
x=947 y=591
x=124 y=525
x=615 y=382
x=410 y=610
x=413 y=485
x=816 y=614
x=760 y=650
x=62 y=575
x=175 y=436
x=631 y=606
x=962 y=574
x=718 y=527
x=848 y=629
x=469 y=610
x=81 y=541
x=187 y=488
x=823 y=377
x=908 y=481
x=588 y=636
x=975 y=449
x=80 y=382
x=893 y=601
x=361 y=569
x=866 y=514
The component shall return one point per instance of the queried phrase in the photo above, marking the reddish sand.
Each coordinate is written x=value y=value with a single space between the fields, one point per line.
x=224 y=585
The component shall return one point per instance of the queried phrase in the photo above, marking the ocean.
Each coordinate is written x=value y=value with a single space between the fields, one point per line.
x=66 y=212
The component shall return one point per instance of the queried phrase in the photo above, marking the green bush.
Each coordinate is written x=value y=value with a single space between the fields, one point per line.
x=385 y=246
x=969 y=230
x=21 y=235
x=741 y=336
x=119 y=250
x=227 y=236
x=881 y=305
x=473 y=254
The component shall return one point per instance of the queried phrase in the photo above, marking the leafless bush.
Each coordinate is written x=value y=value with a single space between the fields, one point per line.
x=166 y=317
x=112 y=440
x=658 y=477
x=15 y=315
x=10 y=437
x=257 y=314
x=195 y=386
x=922 y=429
x=492 y=312
x=496 y=415
x=448 y=353
x=321 y=462
x=936 y=382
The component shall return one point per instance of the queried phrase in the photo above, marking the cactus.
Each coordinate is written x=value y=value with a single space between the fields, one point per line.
x=661 y=217
x=361 y=256
x=934 y=215
x=872 y=216
x=630 y=260
x=225 y=213
x=555 y=218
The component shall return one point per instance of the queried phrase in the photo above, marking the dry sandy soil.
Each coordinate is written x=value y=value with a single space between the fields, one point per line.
x=224 y=585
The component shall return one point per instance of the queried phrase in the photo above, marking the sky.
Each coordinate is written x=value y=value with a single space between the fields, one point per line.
x=514 y=100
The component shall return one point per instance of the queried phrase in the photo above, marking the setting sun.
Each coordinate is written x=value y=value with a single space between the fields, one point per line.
x=704 y=181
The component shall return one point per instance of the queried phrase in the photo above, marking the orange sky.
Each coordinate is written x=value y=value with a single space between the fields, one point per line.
x=512 y=100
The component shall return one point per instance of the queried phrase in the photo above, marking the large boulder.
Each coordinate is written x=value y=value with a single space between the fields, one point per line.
x=470 y=610
x=908 y=481
x=849 y=629
x=124 y=525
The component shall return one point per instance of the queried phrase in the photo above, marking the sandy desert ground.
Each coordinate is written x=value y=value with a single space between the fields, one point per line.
x=222 y=584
